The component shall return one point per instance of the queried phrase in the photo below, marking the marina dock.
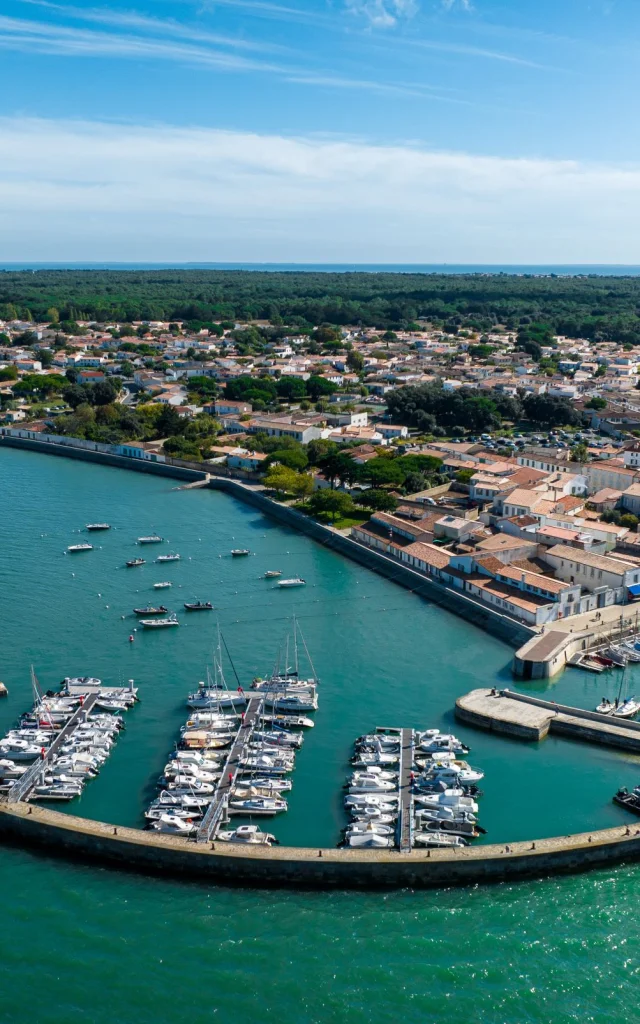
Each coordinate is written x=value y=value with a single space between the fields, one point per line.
x=25 y=784
x=405 y=810
x=216 y=811
x=528 y=718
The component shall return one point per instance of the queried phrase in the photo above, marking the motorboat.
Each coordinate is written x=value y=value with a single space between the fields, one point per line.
x=450 y=775
x=379 y=743
x=73 y=548
x=250 y=834
x=20 y=750
x=201 y=740
x=198 y=606
x=91 y=682
x=630 y=801
x=272 y=574
x=266 y=764
x=160 y=610
x=258 y=804
x=212 y=719
x=280 y=739
x=162 y=586
x=185 y=773
x=454 y=798
x=159 y=623
x=372 y=814
x=605 y=707
x=151 y=539
x=438 y=840
x=193 y=800
x=386 y=803
x=365 y=827
x=374 y=760
x=168 y=558
x=291 y=702
x=154 y=812
x=173 y=825
x=434 y=742
x=263 y=782
x=135 y=561
x=627 y=709
x=97 y=526
x=464 y=829
x=56 y=791
x=444 y=813
x=371 y=784
x=240 y=552
x=288 y=721
x=189 y=785
x=369 y=839
x=296 y=581
x=193 y=757
x=375 y=772
x=11 y=770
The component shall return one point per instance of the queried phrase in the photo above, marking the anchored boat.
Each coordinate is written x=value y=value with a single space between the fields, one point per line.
x=97 y=526
x=79 y=547
x=161 y=610
x=153 y=538
x=198 y=606
x=159 y=623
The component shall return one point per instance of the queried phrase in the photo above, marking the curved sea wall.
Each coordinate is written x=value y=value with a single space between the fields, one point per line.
x=148 y=852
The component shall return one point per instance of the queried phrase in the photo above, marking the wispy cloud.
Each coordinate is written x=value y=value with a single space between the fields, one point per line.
x=382 y=13
x=37 y=37
x=476 y=51
x=464 y=5
x=111 y=191
x=143 y=23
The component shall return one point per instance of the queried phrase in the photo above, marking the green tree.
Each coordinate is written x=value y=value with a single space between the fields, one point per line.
x=104 y=393
x=383 y=471
x=580 y=453
x=629 y=520
x=378 y=501
x=291 y=389
x=9 y=373
x=355 y=361
x=318 y=387
x=596 y=403
x=283 y=480
x=294 y=458
x=331 y=504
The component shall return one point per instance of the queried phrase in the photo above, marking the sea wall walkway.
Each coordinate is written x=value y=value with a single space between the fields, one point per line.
x=529 y=718
x=132 y=849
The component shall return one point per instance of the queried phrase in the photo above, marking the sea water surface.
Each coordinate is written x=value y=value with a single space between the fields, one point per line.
x=106 y=945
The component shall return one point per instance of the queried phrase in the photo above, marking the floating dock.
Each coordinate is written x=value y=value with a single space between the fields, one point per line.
x=528 y=718
x=217 y=809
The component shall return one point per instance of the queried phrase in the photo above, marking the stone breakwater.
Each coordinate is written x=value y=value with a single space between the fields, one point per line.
x=131 y=849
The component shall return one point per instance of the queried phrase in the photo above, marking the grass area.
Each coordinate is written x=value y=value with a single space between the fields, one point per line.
x=341 y=522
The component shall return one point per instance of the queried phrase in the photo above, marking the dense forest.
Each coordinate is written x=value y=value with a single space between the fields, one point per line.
x=594 y=307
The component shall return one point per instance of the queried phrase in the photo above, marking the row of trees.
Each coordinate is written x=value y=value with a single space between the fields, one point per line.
x=433 y=410
x=593 y=307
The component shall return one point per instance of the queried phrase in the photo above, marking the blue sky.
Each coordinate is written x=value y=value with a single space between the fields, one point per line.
x=320 y=130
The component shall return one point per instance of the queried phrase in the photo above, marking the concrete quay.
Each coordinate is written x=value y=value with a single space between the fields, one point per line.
x=130 y=849
x=528 y=718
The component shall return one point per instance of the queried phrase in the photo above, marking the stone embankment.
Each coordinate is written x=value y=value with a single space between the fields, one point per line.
x=529 y=718
x=131 y=849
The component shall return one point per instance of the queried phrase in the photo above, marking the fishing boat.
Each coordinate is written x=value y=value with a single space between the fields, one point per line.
x=272 y=574
x=162 y=586
x=296 y=581
x=168 y=558
x=240 y=552
x=247 y=834
x=74 y=548
x=152 y=539
x=161 y=610
x=97 y=526
x=159 y=623
x=198 y=606
x=135 y=561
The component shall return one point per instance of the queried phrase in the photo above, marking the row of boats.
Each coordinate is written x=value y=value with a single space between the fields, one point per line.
x=52 y=760
x=220 y=756
x=442 y=798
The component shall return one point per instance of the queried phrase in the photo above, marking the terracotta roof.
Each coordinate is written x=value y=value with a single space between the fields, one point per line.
x=428 y=553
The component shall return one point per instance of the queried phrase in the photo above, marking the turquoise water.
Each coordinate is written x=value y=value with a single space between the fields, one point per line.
x=171 y=951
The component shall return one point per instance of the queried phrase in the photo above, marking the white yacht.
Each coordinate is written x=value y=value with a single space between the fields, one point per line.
x=168 y=558
x=173 y=825
x=296 y=581
x=247 y=834
x=151 y=539
x=163 y=585
x=258 y=804
x=369 y=839
x=437 y=840
x=264 y=782
x=366 y=827
x=79 y=547
x=97 y=526
x=20 y=750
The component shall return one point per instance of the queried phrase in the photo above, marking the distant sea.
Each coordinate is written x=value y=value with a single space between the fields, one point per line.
x=561 y=270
